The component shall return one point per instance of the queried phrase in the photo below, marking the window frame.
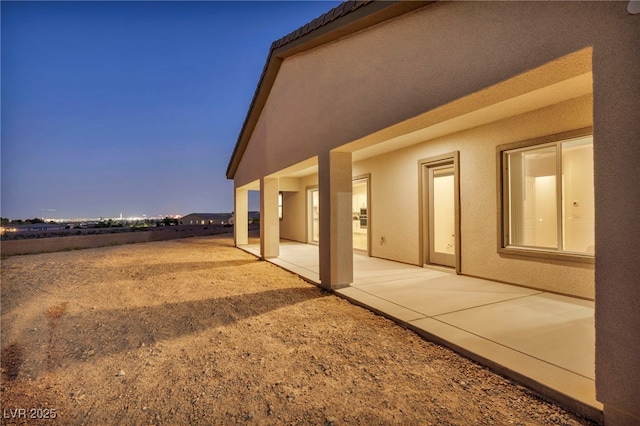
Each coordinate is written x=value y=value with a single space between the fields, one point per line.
x=503 y=200
x=280 y=205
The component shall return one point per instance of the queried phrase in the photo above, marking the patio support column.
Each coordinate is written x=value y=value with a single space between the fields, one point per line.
x=241 y=217
x=269 y=221
x=616 y=102
x=336 y=234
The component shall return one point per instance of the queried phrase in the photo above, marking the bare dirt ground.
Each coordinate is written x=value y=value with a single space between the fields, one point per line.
x=195 y=331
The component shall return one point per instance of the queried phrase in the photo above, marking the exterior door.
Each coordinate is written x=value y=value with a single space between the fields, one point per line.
x=314 y=215
x=360 y=216
x=442 y=214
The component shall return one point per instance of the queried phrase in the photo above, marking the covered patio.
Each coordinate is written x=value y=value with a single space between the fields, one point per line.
x=542 y=340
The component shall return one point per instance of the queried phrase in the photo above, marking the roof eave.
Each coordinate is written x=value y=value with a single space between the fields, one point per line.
x=343 y=20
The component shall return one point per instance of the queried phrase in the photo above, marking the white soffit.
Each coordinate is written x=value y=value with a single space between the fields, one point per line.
x=549 y=95
x=252 y=186
x=304 y=168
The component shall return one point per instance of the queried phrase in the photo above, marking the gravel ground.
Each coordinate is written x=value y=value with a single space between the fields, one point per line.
x=195 y=331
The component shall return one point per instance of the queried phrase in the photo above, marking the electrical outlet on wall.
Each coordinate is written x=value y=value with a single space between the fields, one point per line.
x=382 y=240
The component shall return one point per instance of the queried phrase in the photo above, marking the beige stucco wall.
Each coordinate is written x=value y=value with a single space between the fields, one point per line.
x=395 y=210
x=617 y=162
x=304 y=116
x=293 y=216
x=353 y=92
x=293 y=225
x=395 y=200
x=369 y=81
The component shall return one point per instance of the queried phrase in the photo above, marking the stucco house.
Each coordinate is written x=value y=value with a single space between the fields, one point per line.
x=253 y=216
x=498 y=139
x=205 y=219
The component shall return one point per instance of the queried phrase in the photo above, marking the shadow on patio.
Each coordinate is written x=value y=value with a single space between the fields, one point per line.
x=544 y=341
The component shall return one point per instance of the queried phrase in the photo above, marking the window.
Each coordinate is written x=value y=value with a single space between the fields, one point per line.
x=548 y=200
x=280 y=205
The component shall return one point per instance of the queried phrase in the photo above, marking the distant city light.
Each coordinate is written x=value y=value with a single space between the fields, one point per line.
x=114 y=219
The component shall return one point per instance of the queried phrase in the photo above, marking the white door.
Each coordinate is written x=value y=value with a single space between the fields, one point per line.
x=442 y=215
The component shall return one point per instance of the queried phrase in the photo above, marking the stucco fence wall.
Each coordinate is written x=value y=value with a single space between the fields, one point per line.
x=76 y=242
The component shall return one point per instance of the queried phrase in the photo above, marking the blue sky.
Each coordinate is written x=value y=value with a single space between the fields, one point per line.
x=131 y=107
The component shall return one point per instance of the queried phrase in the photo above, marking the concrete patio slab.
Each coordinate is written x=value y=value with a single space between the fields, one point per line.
x=381 y=306
x=553 y=328
x=544 y=341
x=573 y=391
x=436 y=295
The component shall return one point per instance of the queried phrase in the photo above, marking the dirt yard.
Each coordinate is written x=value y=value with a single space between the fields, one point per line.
x=195 y=331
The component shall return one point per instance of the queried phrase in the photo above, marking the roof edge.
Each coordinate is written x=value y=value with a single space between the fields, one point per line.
x=345 y=19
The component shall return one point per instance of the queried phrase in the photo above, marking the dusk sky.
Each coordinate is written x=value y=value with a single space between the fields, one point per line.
x=130 y=107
